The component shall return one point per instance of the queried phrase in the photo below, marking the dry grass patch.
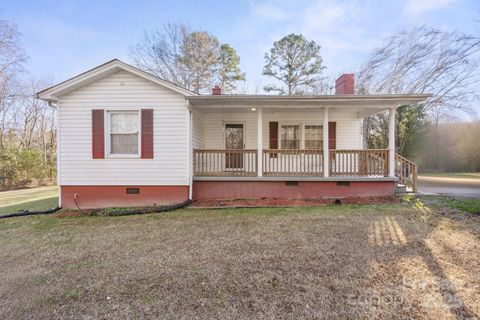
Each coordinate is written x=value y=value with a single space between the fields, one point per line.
x=324 y=262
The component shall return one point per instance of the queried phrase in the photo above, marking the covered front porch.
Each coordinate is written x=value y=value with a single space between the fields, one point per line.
x=289 y=140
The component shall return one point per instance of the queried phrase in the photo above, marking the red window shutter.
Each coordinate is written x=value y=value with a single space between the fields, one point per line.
x=147 y=134
x=273 y=137
x=332 y=135
x=98 y=134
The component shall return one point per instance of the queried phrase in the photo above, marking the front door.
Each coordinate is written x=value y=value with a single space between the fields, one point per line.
x=234 y=142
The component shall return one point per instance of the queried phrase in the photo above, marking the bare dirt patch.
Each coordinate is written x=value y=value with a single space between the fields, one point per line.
x=382 y=261
x=278 y=202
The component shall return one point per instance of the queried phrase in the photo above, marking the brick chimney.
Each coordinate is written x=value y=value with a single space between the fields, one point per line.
x=345 y=84
x=216 y=91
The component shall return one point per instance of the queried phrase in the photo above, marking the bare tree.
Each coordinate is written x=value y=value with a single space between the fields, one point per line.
x=35 y=117
x=159 y=51
x=29 y=149
x=426 y=60
x=12 y=58
x=199 y=59
x=27 y=126
x=325 y=86
x=191 y=59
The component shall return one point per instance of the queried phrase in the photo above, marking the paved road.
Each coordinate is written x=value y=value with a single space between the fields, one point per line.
x=454 y=186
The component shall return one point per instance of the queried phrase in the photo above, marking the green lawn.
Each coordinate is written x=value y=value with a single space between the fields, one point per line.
x=402 y=261
x=31 y=199
x=461 y=175
x=36 y=205
x=467 y=204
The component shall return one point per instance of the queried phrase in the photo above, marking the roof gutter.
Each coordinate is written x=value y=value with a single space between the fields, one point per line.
x=51 y=104
x=391 y=97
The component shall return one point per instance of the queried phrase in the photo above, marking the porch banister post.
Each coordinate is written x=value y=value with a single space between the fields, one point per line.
x=391 y=143
x=326 y=153
x=259 y=141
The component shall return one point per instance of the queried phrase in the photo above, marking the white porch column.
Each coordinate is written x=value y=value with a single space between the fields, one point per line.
x=391 y=143
x=326 y=153
x=259 y=142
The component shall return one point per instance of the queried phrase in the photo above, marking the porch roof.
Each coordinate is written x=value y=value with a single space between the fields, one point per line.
x=370 y=101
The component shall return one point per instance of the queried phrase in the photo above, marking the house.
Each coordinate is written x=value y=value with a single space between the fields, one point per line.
x=129 y=138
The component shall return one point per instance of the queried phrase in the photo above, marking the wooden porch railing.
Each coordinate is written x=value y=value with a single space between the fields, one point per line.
x=283 y=163
x=222 y=162
x=406 y=171
x=370 y=162
x=278 y=162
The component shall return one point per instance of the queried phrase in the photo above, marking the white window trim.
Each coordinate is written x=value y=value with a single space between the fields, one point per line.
x=303 y=132
x=224 y=130
x=300 y=128
x=108 y=138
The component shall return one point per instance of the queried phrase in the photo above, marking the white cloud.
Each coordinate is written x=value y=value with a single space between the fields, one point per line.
x=324 y=14
x=418 y=7
x=268 y=11
x=272 y=19
x=341 y=28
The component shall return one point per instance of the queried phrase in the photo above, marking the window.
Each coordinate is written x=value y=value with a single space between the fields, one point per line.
x=313 y=137
x=124 y=132
x=290 y=136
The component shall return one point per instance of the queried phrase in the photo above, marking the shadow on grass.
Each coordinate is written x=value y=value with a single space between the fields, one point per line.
x=447 y=288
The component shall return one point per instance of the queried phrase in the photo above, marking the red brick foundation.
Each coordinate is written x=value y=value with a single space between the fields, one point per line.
x=205 y=190
x=90 y=197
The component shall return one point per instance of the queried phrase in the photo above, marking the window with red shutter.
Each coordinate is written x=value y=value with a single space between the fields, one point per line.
x=98 y=134
x=147 y=134
x=332 y=135
x=273 y=137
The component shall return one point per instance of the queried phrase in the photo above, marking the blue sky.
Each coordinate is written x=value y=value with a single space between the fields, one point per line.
x=64 y=38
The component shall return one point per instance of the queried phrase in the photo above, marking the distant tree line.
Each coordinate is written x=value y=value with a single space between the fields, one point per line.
x=27 y=125
x=427 y=60
x=451 y=146
x=422 y=60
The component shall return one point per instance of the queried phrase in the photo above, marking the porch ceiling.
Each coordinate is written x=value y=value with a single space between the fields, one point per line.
x=362 y=105
x=339 y=101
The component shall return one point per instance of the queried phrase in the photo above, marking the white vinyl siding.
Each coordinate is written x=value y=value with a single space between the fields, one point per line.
x=198 y=129
x=349 y=129
x=349 y=126
x=215 y=128
x=123 y=91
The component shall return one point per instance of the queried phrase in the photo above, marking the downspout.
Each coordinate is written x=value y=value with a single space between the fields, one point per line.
x=190 y=153
x=57 y=120
x=391 y=142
